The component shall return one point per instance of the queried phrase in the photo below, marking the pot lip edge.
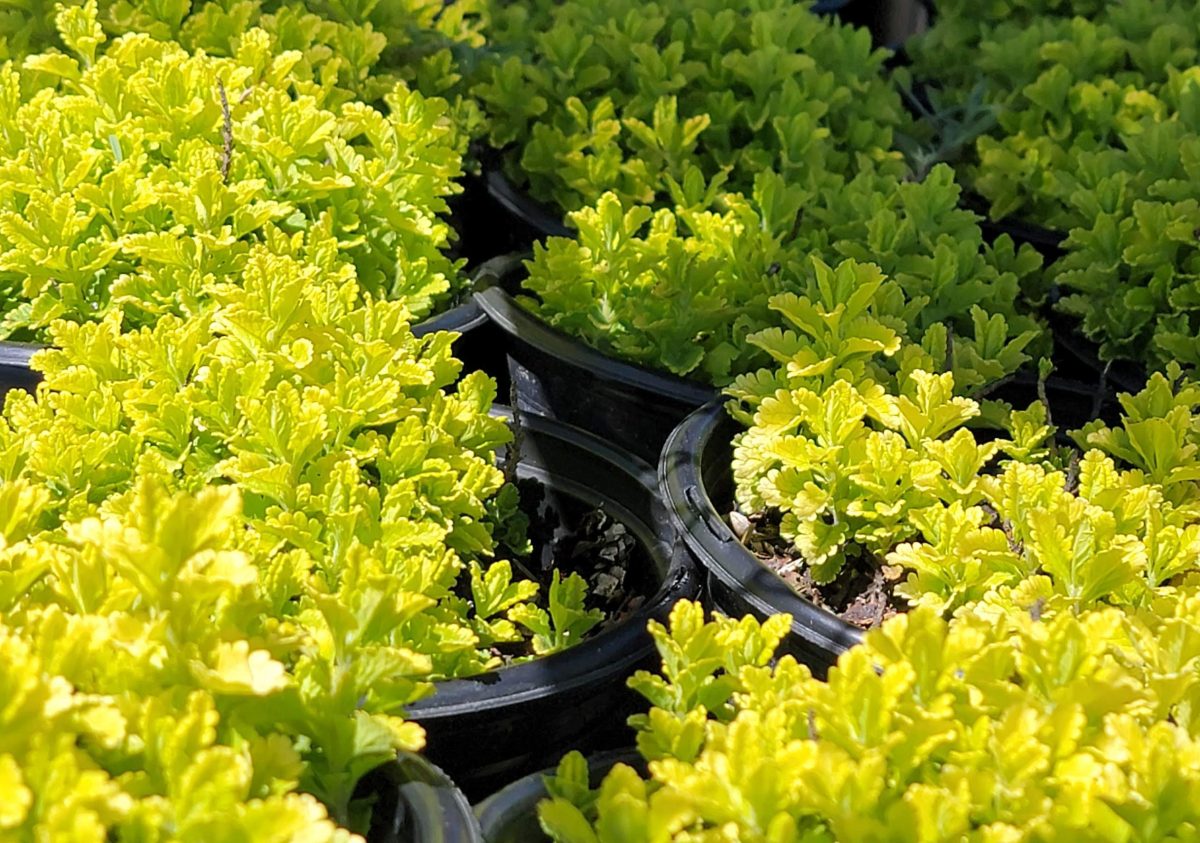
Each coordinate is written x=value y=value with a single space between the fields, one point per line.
x=810 y=623
x=516 y=321
x=479 y=693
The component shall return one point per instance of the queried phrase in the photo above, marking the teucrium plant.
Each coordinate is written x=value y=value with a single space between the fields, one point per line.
x=286 y=502
x=623 y=96
x=359 y=48
x=139 y=174
x=690 y=290
x=862 y=464
x=1096 y=138
x=993 y=726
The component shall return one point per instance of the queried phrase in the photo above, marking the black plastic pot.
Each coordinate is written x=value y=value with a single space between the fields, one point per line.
x=510 y=815
x=488 y=730
x=696 y=479
x=889 y=22
x=494 y=218
x=557 y=376
x=1078 y=358
x=14 y=367
x=415 y=802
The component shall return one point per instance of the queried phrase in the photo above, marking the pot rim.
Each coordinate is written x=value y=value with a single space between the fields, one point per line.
x=615 y=650
x=718 y=550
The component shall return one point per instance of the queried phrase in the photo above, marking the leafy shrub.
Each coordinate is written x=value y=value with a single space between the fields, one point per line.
x=860 y=468
x=1096 y=136
x=334 y=420
x=1132 y=256
x=363 y=47
x=277 y=503
x=143 y=174
x=993 y=726
x=623 y=96
x=162 y=681
x=690 y=290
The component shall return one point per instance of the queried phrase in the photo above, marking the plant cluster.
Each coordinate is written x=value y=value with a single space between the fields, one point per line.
x=694 y=290
x=995 y=726
x=283 y=498
x=859 y=462
x=240 y=542
x=1096 y=135
x=626 y=96
x=140 y=175
x=362 y=46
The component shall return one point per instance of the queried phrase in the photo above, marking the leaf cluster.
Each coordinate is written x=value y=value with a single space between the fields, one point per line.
x=1096 y=136
x=994 y=726
x=858 y=466
x=365 y=47
x=284 y=512
x=691 y=290
x=625 y=96
x=142 y=174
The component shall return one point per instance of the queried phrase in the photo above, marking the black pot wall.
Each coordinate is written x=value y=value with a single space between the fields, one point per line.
x=415 y=802
x=510 y=814
x=14 y=367
x=489 y=730
x=557 y=376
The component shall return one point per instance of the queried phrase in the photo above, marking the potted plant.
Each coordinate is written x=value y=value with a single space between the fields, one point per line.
x=294 y=501
x=668 y=300
x=870 y=494
x=912 y=734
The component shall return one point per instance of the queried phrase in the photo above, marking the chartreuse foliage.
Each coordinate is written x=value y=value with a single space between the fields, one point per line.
x=994 y=726
x=1132 y=255
x=160 y=681
x=125 y=181
x=335 y=422
x=695 y=291
x=1097 y=136
x=859 y=468
x=264 y=529
x=362 y=47
x=624 y=96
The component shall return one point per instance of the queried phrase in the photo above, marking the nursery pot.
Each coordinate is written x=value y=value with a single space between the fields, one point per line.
x=494 y=218
x=696 y=478
x=14 y=367
x=491 y=729
x=510 y=814
x=415 y=802
x=555 y=375
x=1077 y=355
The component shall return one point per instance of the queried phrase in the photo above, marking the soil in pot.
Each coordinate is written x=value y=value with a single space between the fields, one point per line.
x=862 y=595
